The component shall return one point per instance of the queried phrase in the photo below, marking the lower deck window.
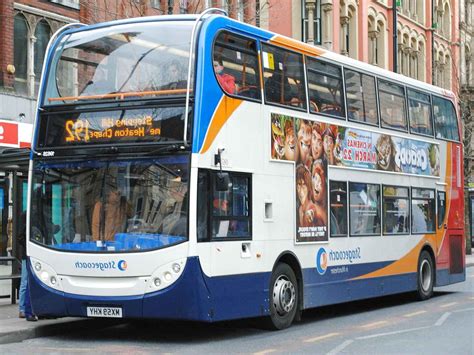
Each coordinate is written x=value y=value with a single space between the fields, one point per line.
x=338 y=190
x=224 y=214
x=422 y=211
x=395 y=210
x=364 y=200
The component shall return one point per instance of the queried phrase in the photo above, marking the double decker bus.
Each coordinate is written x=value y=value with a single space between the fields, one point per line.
x=199 y=168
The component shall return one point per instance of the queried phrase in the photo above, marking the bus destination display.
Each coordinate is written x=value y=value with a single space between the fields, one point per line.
x=112 y=127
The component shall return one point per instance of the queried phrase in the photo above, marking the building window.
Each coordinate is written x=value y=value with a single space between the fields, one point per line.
x=316 y=23
x=20 y=44
x=42 y=34
x=68 y=3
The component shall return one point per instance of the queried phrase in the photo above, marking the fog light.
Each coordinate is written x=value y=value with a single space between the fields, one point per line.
x=168 y=276
x=53 y=280
x=37 y=266
x=44 y=276
x=157 y=282
x=176 y=268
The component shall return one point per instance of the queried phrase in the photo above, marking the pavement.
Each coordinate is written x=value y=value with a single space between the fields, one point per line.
x=15 y=330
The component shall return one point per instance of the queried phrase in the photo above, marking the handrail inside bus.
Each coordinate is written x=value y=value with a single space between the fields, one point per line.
x=120 y=95
x=190 y=62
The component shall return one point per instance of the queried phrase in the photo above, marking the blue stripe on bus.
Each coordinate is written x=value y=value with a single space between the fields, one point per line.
x=197 y=297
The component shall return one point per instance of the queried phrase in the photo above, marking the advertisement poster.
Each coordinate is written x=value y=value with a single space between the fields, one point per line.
x=314 y=146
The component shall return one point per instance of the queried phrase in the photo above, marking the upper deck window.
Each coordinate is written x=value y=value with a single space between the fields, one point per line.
x=120 y=62
x=446 y=123
x=325 y=88
x=284 y=78
x=235 y=61
x=419 y=107
x=361 y=97
x=392 y=105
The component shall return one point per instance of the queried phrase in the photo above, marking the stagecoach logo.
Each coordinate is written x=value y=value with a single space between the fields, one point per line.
x=321 y=261
x=102 y=266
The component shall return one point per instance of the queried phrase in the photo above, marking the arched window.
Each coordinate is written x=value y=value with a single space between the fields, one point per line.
x=373 y=34
x=353 y=38
x=421 y=61
x=381 y=43
x=42 y=34
x=447 y=72
x=447 y=21
x=20 y=44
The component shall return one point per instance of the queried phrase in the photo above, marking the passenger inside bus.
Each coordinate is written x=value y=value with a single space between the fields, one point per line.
x=110 y=217
x=279 y=90
x=226 y=80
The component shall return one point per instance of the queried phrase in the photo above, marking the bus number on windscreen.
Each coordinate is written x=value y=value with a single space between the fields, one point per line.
x=77 y=131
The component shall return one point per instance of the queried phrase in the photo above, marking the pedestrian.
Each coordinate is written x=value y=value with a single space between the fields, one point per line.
x=24 y=303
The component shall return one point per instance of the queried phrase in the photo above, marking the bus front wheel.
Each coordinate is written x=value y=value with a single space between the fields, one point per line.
x=283 y=297
x=426 y=275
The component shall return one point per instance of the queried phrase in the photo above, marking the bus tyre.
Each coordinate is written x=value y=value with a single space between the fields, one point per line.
x=425 y=276
x=283 y=297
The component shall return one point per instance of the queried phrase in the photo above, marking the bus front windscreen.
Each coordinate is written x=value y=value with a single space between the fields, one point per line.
x=136 y=60
x=110 y=206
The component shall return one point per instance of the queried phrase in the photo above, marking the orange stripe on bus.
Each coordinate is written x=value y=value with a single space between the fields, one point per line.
x=296 y=45
x=224 y=110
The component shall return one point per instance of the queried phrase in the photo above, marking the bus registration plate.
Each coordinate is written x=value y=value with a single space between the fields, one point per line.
x=107 y=312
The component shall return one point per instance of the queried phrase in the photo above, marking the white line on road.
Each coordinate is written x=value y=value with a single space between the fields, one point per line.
x=413 y=314
x=442 y=319
x=463 y=310
x=374 y=324
x=263 y=352
x=391 y=333
x=322 y=337
x=341 y=347
x=448 y=304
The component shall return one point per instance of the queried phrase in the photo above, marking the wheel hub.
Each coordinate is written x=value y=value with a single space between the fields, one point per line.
x=425 y=275
x=284 y=295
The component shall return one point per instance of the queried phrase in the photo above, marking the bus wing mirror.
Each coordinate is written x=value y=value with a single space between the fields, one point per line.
x=223 y=181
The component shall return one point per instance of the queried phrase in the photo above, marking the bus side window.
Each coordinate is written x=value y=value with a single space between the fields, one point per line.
x=441 y=208
x=203 y=197
x=392 y=106
x=231 y=209
x=235 y=62
x=395 y=210
x=338 y=198
x=325 y=88
x=283 y=76
x=419 y=109
x=361 y=97
x=364 y=210
x=446 y=123
x=422 y=211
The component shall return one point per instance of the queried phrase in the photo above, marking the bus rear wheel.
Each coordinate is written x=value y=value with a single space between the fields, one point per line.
x=426 y=276
x=283 y=297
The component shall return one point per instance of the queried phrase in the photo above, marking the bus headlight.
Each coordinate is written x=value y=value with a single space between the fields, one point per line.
x=165 y=275
x=46 y=274
x=168 y=276
x=176 y=268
